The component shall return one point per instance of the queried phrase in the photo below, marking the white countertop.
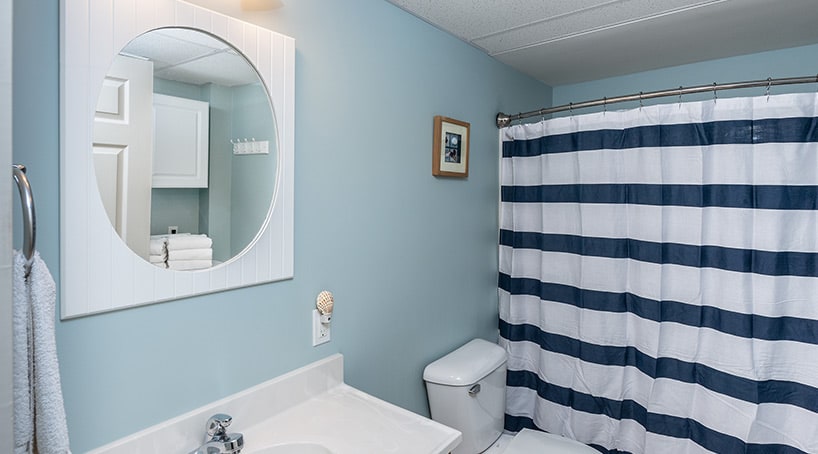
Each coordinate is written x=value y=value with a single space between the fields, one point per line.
x=309 y=405
x=348 y=421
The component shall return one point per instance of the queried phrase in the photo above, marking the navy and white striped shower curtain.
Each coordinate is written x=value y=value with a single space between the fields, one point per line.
x=659 y=276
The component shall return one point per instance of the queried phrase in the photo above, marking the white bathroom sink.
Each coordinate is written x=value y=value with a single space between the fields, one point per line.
x=294 y=448
x=307 y=411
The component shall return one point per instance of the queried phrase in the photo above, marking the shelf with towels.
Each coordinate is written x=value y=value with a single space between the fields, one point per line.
x=181 y=251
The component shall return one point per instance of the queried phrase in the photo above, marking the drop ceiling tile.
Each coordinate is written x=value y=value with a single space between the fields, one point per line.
x=470 y=19
x=660 y=43
x=161 y=47
x=601 y=17
x=561 y=42
x=227 y=69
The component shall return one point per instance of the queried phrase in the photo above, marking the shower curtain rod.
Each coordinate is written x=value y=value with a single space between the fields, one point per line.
x=504 y=120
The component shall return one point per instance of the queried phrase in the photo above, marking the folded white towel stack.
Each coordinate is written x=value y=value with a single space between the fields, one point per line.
x=159 y=251
x=179 y=242
x=181 y=265
x=189 y=252
x=159 y=246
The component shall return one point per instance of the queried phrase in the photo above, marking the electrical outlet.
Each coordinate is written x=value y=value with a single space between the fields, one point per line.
x=320 y=331
x=173 y=230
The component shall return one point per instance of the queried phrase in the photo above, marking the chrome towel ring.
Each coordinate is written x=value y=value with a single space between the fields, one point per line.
x=29 y=218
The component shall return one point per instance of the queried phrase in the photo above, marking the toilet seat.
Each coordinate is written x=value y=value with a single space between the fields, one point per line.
x=529 y=441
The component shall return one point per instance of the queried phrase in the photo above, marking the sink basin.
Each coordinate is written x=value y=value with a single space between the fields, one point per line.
x=293 y=448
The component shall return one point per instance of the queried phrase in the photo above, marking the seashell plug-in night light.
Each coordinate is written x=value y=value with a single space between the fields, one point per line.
x=324 y=303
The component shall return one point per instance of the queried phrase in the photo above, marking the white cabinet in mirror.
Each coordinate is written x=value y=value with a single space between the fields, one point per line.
x=152 y=93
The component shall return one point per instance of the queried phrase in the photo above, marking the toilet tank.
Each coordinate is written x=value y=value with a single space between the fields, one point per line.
x=467 y=391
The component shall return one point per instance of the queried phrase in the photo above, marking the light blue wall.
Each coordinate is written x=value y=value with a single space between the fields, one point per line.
x=175 y=206
x=411 y=258
x=252 y=183
x=216 y=211
x=179 y=89
x=793 y=62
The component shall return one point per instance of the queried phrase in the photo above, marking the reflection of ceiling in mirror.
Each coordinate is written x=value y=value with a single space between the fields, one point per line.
x=191 y=56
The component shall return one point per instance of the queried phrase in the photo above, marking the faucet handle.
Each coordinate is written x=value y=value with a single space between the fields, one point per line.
x=217 y=425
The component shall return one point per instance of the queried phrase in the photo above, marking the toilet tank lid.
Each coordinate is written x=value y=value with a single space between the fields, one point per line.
x=467 y=365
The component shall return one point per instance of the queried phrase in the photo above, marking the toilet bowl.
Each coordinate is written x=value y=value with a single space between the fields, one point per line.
x=467 y=391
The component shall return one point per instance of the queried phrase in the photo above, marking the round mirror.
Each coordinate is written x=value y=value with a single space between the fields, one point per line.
x=184 y=149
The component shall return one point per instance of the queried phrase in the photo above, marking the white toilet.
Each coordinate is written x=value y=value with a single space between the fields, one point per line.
x=467 y=391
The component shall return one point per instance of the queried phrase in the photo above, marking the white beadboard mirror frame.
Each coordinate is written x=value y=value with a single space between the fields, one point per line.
x=99 y=273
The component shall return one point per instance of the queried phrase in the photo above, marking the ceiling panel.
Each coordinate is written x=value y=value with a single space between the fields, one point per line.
x=580 y=22
x=471 y=19
x=562 y=42
x=192 y=57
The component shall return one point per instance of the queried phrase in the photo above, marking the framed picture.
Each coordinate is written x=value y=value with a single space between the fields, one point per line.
x=450 y=154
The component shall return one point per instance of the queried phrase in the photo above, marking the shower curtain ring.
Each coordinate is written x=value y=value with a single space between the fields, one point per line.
x=571 y=108
x=715 y=96
x=640 y=100
x=604 y=105
x=680 y=96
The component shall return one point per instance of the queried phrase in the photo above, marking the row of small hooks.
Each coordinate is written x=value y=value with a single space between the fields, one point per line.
x=251 y=146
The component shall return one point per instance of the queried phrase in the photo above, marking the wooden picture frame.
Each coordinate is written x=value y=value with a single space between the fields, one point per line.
x=450 y=152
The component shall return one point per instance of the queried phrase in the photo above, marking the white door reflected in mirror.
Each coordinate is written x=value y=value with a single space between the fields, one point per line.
x=172 y=163
x=122 y=149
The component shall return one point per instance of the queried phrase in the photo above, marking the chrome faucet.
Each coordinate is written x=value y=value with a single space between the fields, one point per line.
x=218 y=441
